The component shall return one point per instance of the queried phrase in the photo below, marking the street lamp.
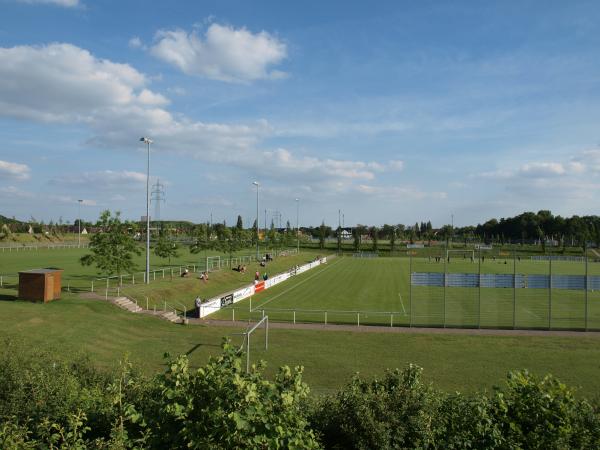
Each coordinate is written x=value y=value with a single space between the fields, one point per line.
x=255 y=183
x=297 y=227
x=79 y=226
x=147 y=141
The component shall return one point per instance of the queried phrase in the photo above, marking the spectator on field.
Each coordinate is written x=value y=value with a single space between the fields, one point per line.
x=257 y=276
x=204 y=276
x=265 y=276
x=185 y=273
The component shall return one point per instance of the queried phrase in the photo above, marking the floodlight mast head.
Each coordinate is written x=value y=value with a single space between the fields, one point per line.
x=255 y=183
x=146 y=140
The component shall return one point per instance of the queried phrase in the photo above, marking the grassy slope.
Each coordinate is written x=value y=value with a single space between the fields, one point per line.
x=185 y=290
x=453 y=362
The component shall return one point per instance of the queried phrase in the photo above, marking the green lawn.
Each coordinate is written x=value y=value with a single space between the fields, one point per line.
x=377 y=291
x=78 y=278
x=452 y=362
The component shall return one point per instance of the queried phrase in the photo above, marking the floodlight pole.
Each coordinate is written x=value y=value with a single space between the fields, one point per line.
x=255 y=183
x=79 y=225
x=297 y=226
x=147 y=141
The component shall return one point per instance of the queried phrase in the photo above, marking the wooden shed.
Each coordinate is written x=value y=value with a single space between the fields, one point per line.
x=40 y=284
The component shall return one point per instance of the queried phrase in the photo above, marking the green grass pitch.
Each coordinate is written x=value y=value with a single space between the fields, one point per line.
x=377 y=291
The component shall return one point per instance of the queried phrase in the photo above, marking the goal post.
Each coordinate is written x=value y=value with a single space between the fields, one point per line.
x=264 y=321
x=213 y=263
x=460 y=254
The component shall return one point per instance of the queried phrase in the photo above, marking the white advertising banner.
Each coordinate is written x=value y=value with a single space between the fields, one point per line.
x=210 y=307
x=276 y=279
x=243 y=293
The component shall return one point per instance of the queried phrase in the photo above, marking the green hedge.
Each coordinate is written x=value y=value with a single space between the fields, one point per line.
x=48 y=403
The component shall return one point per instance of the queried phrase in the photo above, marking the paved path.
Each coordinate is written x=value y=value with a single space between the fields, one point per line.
x=401 y=330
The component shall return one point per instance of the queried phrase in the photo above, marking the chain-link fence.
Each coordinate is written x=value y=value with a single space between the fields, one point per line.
x=468 y=289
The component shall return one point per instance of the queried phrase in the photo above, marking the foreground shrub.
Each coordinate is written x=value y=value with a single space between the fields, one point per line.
x=46 y=403
x=400 y=411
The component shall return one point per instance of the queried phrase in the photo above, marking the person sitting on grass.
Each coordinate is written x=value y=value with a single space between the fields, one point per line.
x=257 y=276
x=265 y=276
x=204 y=276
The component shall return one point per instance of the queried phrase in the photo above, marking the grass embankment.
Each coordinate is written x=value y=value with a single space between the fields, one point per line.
x=184 y=290
x=452 y=362
x=79 y=278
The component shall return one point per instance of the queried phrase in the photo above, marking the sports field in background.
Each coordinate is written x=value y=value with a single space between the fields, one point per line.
x=377 y=291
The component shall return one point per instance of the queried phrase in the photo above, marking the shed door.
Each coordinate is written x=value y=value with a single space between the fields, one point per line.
x=49 y=290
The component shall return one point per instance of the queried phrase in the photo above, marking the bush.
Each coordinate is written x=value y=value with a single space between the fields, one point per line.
x=48 y=403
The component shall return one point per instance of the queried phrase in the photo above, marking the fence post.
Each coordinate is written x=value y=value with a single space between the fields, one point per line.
x=1 y=282
x=133 y=278
x=106 y=294
x=163 y=271
x=107 y=282
x=479 y=307
x=294 y=317
x=445 y=281
x=165 y=309
x=325 y=317
x=147 y=303
x=358 y=319
x=233 y=314
x=550 y=293
x=391 y=320
x=171 y=272
x=263 y=313
x=118 y=291
x=586 y=293
x=514 y=289
x=154 y=276
x=410 y=323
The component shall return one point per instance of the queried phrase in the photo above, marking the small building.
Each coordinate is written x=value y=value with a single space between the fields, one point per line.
x=40 y=284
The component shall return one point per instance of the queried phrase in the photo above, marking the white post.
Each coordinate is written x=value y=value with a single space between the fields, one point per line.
x=133 y=278
x=358 y=319
x=147 y=303
x=163 y=271
x=294 y=317
x=325 y=317
x=92 y=285
x=107 y=282
x=233 y=314
x=391 y=320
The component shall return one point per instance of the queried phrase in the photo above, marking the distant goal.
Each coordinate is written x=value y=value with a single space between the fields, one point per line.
x=460 y=255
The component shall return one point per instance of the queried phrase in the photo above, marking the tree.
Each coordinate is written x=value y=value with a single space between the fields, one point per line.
x=239 y=225
x=166 y=248
x=112 y=248
x=393 y=239
x=375 y=237
x=322 y=235
x=356 y=236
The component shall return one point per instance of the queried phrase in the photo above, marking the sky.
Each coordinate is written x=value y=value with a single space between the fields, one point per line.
x=390 y=112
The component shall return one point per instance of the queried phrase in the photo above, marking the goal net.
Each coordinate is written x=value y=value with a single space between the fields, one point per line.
x=213 y=263
x=468 y=255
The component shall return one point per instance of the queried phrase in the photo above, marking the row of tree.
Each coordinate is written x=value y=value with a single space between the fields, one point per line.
x=49 y=403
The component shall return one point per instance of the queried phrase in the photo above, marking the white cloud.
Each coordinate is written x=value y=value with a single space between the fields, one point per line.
x=135 y=42
x=396 y=165
x=64 y=83
x=12 y=192
x=64 y=3
x=223 y=53
x=399 y=193
x=14 y=170
x=104 y=180
x=542 y=169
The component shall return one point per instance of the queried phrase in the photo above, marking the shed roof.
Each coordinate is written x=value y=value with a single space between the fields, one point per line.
x=41 y=271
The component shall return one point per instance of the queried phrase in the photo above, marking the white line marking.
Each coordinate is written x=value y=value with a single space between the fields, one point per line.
x=402 y=303
x=532 y=313
x=296 y=285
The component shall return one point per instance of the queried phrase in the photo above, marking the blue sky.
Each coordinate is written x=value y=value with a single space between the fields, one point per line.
x=393 y=112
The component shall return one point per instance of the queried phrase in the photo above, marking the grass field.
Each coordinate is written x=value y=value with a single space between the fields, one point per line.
x=377 y=291
x=78 y=278
x=453 y=362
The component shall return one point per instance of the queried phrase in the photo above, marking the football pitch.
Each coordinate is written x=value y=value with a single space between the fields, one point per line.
x=377 y=291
